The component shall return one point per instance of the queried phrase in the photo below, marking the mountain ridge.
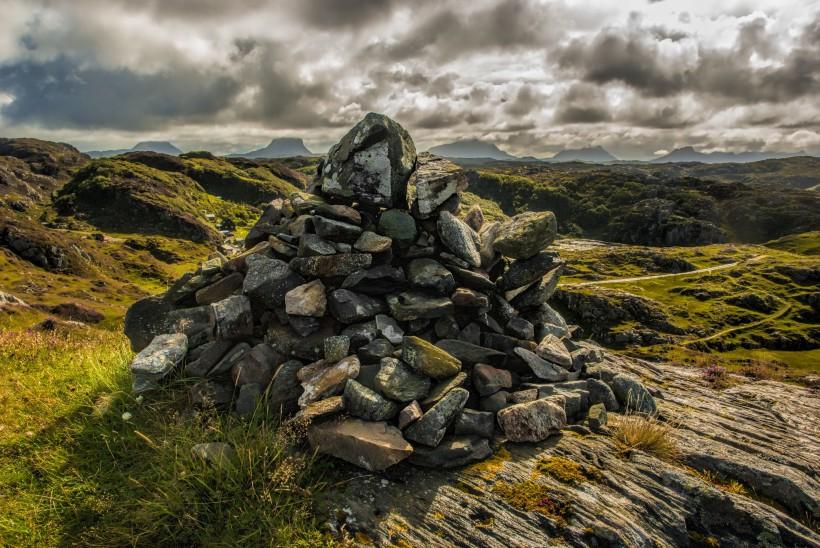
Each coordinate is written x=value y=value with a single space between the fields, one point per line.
x=163 y=147
x=279 y=147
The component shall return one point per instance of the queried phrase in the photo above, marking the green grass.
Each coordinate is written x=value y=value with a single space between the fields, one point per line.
x=807 y=243
x=73 y=471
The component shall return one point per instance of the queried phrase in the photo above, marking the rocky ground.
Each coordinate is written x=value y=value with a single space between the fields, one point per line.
x=763 y=435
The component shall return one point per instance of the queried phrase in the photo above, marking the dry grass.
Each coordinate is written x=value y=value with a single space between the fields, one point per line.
x=722 y=483
x=647 y=434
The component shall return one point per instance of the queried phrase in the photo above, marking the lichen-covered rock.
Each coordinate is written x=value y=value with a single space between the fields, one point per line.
x=429 y=429
x=522 y=272
x=434 y=180
x=532 y=421
x=367 y=404
x=373 y=446
x=370 y=242
x=307 y=300
x=268 y=280
x=399 y=382
x=327 y=380
x=459 y=238
x=326 y=266
x=336 y=348
x=232 y=317
x=371 y=164
x=398 y=225
x=428 y=359
x=157 y=360
x=526 y=234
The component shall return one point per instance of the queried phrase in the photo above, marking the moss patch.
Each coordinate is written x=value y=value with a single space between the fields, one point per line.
x=532 y=496
x=567 y=470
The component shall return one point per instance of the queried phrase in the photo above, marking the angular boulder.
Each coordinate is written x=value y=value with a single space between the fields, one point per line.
x=526 y=234
x=157 y=360
x=371 y=164
x=434 y=180
x=428 y=359
x=532 y=421
x=430 y=428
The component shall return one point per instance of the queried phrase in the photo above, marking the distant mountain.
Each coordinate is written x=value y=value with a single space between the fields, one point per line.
x=689 y=154
x=472 y=148
x=596 y=155
x=283 y=147
x=163 y=147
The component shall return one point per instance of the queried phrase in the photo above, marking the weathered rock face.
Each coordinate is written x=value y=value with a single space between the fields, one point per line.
x=371 y=445
x=432 y=183
x=371 y=164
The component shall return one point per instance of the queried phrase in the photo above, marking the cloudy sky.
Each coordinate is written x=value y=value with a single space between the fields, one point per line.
x=636 y=76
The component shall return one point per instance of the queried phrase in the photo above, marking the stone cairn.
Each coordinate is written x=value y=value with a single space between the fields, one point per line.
x=393 y=327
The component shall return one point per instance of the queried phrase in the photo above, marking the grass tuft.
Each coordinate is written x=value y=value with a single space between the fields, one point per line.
x=532 y=496
x=647 y=434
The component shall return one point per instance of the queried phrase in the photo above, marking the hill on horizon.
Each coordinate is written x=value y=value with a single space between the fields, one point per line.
x=281 y=147
x=596 y=154
x=689 y=154
x=164 y=147
x=471 y=148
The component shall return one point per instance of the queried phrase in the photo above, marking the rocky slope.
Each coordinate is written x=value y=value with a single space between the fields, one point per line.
x=762 y=435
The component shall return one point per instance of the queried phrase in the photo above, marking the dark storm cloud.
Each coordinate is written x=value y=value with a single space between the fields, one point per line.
x=61 y=93
x=331 y=14
x=583 y=104
x=633 y=57
x=449 y=33
x=527 y=99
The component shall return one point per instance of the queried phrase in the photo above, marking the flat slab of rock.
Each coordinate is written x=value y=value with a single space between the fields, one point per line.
x=373 y=446
x=157 y=360
x=326 y=266
x=543 y=369
x=452 y=452
x=415 y=305
x=472 y=353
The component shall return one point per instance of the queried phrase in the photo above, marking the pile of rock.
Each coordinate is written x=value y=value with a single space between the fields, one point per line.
x=373 y=311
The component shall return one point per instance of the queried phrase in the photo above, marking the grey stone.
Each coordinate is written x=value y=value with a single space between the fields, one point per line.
x=398 y=225
x=326 y=266
x=370 y=242
x=268 y=280
x=307 y=300
x=232 y=318
x=413 y=305
x=472 y=422
x=471 y=334
x=367 y=404
x=489 y=380
x=304 y=326
x=327 y=380
x=486 y=238
x=379 y=280
x=389 y=329
x=158 y=359
x=532 y=421
x=523 y=272
x=371 y=163
x=410 y=414
x=284 y=389
x=542 y=368
x=526 y=234
x=441 y=389
x=247 y=399
x=632 y=395
x=373 y=446
x=219 y=290
x=257 y=366
x=469 y=298
x=229 y=359
x=452 y=452
x=311 y=245
x=596 y=417
x=552 y=349
x=474 y=280
x=367 y=375
x=434 y=180
x=375 y=350
x=211 y=394
x=209 y=355
x=495 y=402
x=399 y=382
x=331 y=229
x=349 y=307
x=474 y=217
x=336 y=348
x=459 y=238
x=520 y=328
x=539 y=292
x=521 y=396
x=360 y=333
x=600 y=392
x=431 y=275
x=430 y=428
x=447 y=328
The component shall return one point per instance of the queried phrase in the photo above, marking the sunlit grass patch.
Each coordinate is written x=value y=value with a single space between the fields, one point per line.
x=647 y=434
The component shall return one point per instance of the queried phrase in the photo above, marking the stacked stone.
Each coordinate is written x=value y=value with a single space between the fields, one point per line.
x=396 y=328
